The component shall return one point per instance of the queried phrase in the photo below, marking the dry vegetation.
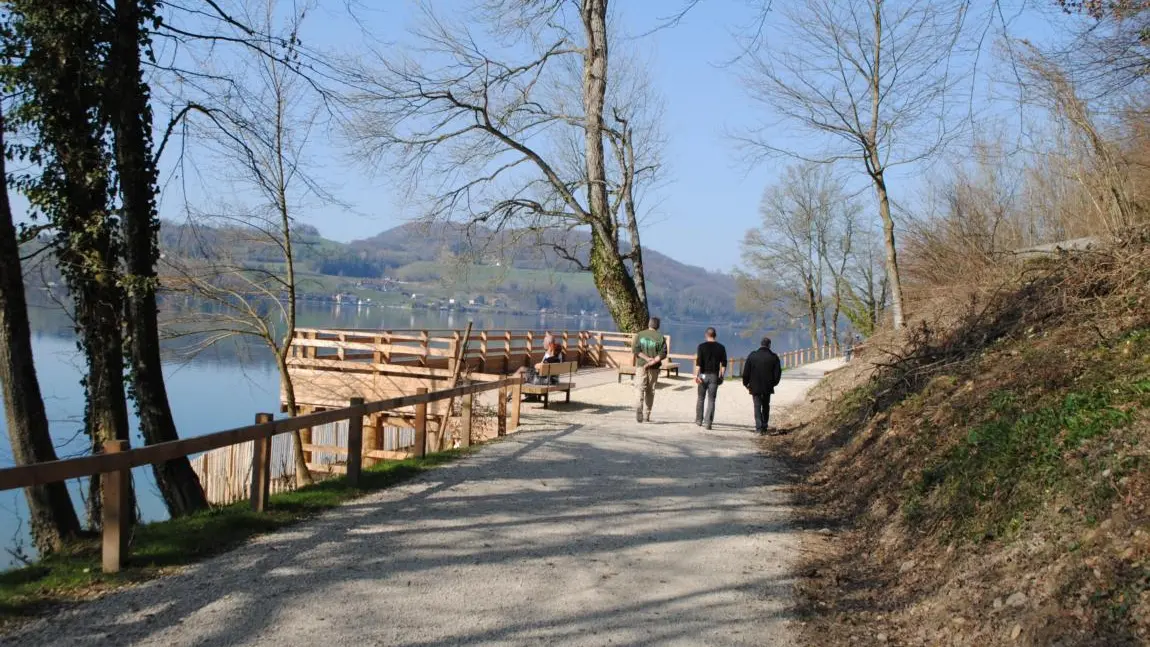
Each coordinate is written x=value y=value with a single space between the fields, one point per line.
x=991 y=473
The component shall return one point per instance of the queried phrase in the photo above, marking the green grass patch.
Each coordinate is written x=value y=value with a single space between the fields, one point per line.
x=75 y=573
x=984 y=485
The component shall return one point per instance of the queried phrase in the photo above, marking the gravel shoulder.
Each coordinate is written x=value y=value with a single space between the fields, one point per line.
x=584 y=528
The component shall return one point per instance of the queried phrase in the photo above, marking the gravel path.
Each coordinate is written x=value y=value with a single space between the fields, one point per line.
x=586 y=528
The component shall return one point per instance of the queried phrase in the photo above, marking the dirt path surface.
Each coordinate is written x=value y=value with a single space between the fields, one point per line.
x=585 y=528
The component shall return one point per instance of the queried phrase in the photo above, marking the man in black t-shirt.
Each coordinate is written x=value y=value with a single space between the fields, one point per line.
x=710 y=368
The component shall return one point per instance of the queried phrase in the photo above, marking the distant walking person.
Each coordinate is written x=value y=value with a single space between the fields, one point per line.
x=710 y=368
x=761 y=374
x=650 y=350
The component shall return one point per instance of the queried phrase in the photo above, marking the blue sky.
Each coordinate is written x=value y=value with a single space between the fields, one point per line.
x=710 y=199
x=711 y=196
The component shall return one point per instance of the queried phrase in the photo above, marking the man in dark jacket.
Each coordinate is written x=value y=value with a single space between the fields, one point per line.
x=761 y=374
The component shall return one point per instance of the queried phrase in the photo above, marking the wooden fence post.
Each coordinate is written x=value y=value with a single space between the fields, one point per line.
x=465 y=421
x=502 y=412
x=355 y=442
x=372 y=437
x=261 y=466
x=305 y=434
x=421 y=425
x=516 y=404
x=483 y=350
x=117 y=516
x=507 y=350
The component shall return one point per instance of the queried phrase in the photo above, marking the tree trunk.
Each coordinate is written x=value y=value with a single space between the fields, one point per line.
x=61 y=92
x=131 y=120
x=892 y=272
x=302 y=474
x=616 y=286
x=632 y=218
x=52 y=518
x=98 y=310
x=594 y=94
x=877 y=170
x=838 y=299
x=813 y=313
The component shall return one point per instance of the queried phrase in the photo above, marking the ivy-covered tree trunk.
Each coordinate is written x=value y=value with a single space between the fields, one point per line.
x=616 y=285
x=53 y=519
x=131 y=121
x=55 y=50
x=98 y=307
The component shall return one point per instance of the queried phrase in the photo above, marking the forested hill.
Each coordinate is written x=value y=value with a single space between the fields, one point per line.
x=518 y=270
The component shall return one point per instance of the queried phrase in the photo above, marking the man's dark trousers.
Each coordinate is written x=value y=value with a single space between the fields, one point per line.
x=762 y=404
x=708 y=389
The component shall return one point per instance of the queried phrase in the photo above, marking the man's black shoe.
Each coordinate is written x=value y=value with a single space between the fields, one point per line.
x=708 y=427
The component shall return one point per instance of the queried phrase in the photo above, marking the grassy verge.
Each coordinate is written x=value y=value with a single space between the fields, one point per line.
x=75 y=574
x=1032 y=441
x=1021 y=471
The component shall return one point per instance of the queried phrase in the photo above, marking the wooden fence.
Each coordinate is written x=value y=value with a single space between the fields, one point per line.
x=401 y=360
x=225 y=473
x=486 y=351
x=791 y=358
x=116 y=461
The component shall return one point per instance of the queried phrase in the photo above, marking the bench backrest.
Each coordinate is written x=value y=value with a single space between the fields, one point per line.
x=557 y=368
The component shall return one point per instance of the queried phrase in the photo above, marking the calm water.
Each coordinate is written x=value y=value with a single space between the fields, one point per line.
x=225 y=388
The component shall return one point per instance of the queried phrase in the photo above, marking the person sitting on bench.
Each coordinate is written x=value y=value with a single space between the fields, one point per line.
x=554 y=355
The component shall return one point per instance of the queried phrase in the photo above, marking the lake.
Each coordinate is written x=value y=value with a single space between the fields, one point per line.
x=226 y=387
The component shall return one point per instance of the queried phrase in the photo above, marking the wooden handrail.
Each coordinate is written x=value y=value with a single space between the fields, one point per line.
x=70 y=468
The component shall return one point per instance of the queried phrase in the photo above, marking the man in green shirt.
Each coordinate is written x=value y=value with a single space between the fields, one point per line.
x=650 y=350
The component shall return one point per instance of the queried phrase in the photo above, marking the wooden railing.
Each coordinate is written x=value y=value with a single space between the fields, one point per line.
x=487 y=351
x=790 y=359
x=115 y=463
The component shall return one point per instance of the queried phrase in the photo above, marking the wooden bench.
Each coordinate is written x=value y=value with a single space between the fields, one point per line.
x=667 y=370
x=559 y=370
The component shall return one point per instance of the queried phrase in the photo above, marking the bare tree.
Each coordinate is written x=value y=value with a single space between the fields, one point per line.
x=872 y=79
x=260 y=131
x=1111 y=54
x=1102 y=168
x=477 y=123
x=865 y=286
x=836 y=250
x=788 y=254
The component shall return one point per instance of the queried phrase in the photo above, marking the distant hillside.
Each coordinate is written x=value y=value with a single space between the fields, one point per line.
x=515 y=271
x=675 y=289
